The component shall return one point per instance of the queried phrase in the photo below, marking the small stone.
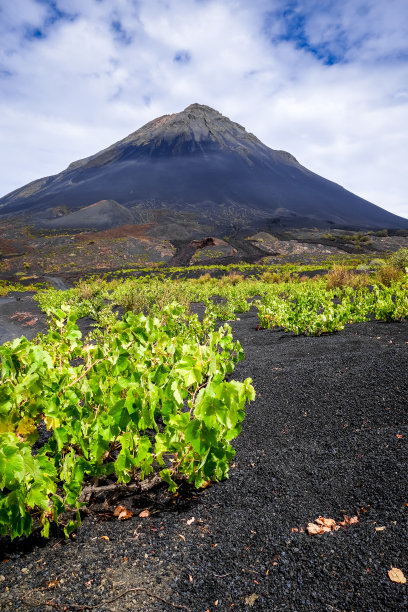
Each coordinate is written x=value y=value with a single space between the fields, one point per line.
x=25 y=570
x=2 y=578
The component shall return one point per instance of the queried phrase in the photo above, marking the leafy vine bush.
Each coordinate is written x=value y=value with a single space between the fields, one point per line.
x=399 y=259
x=151 y=395
x=313 y=309
x=7 y=286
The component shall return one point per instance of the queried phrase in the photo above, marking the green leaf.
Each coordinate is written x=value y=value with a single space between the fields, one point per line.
x=166 y=476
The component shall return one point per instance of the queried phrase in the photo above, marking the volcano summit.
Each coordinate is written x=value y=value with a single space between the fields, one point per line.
x=199 y=169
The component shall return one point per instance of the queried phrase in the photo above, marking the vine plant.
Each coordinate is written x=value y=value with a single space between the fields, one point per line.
x=149 y=395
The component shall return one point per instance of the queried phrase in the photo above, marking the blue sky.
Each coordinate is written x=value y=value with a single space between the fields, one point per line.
x=326 y=80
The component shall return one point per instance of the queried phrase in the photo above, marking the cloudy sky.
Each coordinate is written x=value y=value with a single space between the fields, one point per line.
x=326 y=80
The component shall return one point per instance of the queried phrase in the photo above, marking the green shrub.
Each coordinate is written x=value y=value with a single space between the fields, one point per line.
x=388 y=274
x=399 y=259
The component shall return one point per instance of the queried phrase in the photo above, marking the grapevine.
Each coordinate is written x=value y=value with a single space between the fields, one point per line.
x=149 y=396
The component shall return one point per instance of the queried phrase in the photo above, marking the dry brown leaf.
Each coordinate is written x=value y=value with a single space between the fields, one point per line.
x=122 y=513
x=395 y=575
x=182 y=537
x=190 y=521
x=326 y=522
x=348 y=521
x=380 y=528
x=144 y=513
x=125 y=514
x=190 y=578
x=52 y=584
x=104 y=538
x=118 y=510
x=399 y=436
x=313 y=529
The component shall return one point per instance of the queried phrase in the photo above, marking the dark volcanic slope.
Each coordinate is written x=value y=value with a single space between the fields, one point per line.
x=200 y=162
x=327 y=435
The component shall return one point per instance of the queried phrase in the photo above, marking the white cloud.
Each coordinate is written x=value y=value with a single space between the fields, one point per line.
x=96 y=71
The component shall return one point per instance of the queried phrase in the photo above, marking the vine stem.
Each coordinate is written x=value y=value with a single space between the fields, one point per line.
x=143 y=485
x=84 y=373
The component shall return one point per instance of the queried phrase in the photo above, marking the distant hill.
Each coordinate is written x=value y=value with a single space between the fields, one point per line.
x=101 y=215
x=202 y=169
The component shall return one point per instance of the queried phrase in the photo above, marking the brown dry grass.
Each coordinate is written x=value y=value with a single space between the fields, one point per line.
x=340 y=276
x=135 y=231
x=387 y=274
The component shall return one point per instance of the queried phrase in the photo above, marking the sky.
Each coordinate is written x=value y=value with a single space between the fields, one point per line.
x=326 y=80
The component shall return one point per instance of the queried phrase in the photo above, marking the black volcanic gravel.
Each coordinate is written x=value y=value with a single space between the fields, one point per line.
x=327 y=435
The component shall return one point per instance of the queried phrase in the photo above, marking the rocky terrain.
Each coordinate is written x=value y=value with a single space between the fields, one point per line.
x=29 y=254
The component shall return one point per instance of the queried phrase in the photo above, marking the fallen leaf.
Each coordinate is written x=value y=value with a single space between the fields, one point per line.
x=216 y=602
x=395 y=575
x=313 y=529
x=326 y=522
x=31 y=321
x=251 y=599
x=144 y=513
x=190 y=578
x=380 y=528
x=122 y=513
x=182 y=537
x=104 y=538
x=399 y=436
x=190 y=521
x=118 y=510
x=52 y=584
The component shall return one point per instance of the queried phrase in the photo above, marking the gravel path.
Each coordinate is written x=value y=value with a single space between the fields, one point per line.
x=327 y=435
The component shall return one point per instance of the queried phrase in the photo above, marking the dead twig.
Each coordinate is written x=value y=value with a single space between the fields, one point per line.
x=135 y=590
x=66 y=606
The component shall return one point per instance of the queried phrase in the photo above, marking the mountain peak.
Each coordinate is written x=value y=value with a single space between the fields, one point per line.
x=202 y=108
x=199 y=164
x=194 y=130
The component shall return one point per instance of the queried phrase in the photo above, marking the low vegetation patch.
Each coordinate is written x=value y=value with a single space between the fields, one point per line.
x=149 y=395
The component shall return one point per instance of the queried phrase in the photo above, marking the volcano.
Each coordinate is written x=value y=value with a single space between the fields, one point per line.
x=196 y=168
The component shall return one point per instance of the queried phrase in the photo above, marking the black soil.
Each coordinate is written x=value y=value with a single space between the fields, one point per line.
x=327 y=435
